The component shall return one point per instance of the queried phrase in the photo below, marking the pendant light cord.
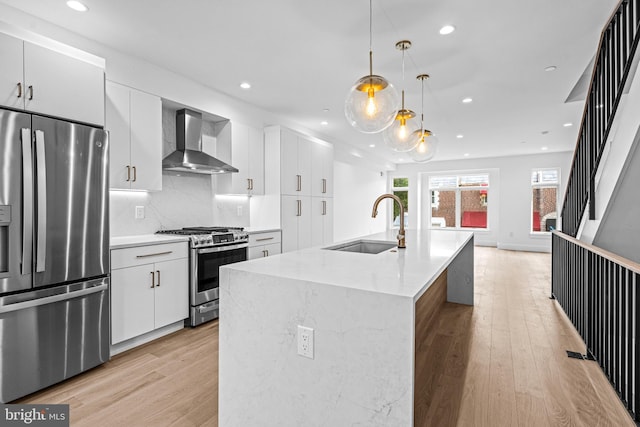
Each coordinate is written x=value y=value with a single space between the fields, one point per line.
x=370 y=38
x=422 y=108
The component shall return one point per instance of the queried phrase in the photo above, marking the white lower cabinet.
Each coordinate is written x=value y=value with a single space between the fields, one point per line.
x=149 y=289
x=321 y=221
x=296 y=222
x=264 y=244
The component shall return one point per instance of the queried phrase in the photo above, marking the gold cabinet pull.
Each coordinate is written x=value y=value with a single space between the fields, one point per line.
x=264 y=238
x=19 y=90
x=299 y=178
x=324 y=185
x=30 y=93
x=128 y=173
x=135 y=174
x=153 y=279
x=299 y=206
x=324 y=207
x=158 y=272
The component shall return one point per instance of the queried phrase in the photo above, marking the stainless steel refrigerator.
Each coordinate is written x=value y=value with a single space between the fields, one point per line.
x=54 y=251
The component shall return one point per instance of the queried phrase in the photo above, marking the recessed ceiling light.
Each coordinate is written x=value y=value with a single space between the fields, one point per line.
x=544 y=148
x=324 y=123
x=460 y=136
x=326 y=110
x=544 y=132
x=551 y=68
x=467 y=100
x=523 y=142
x=447 y=29
x=466 y=154
x=245 y=85
x=77 y=6
x=372 y=145
x=567 y=125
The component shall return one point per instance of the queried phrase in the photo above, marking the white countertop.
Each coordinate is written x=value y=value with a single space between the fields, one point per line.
x=252 y=230
x=145 y=239
x=402 y=272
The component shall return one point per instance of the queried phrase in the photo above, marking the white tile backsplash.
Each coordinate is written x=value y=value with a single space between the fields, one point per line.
x=185 y=200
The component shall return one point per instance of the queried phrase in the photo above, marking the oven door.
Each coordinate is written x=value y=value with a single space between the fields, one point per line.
x=205 y=269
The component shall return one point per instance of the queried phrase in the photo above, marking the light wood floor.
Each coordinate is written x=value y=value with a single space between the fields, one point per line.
x=499 y=363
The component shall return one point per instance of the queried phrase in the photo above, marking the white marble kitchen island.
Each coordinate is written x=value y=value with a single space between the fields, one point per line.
x=368 y=312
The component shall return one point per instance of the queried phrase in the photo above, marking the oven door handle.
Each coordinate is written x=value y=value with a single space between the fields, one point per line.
x=221 y=248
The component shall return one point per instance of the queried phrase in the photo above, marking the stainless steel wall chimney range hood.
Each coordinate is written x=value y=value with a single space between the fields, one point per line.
x=189 y=156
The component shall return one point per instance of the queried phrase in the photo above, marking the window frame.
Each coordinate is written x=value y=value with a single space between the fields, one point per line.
x=393 y=190
x=541 y=185
x=458 y=189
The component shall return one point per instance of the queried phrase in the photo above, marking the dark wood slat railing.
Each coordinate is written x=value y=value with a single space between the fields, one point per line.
x=617 y=47
x=599 y=292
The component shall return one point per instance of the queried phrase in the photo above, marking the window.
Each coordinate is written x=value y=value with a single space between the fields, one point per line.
x=401 y=189
x=459 y=201
x=544 y=200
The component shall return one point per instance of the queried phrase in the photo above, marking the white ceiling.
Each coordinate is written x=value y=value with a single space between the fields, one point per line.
x=302 y=56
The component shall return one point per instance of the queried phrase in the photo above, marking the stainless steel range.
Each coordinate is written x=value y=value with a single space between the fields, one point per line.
x=210 y=247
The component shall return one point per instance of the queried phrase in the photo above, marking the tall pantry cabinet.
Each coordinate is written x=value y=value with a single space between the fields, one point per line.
x=300 y=173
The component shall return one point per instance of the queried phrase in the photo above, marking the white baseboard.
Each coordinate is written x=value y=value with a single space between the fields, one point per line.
x=145 y=338
x=524 y=248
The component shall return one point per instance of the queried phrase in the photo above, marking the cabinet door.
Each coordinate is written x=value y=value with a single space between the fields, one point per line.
x=171 y=292
x=11 y=73
x=272 y=249
x=322 y=170
x=305 y=223
x=132 y=302
x=62 y=86
x=117 y=123
x=289 y=180
x=290 y=217
x=328 y=221
x=240 y=158
x=255 y=157
x=317 y=221
x=146 y=141
x=254 y=252
x=304 y=165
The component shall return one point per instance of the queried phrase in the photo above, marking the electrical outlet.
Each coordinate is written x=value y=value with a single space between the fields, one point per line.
x=305 y=341
x=139 y=212
x=239 y=210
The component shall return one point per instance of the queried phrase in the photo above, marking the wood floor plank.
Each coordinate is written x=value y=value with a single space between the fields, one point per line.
x=501 y=362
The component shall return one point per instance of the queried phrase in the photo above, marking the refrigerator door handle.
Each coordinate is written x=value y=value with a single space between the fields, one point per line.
x=27 y=201
x=41 y=176
x=21 y=305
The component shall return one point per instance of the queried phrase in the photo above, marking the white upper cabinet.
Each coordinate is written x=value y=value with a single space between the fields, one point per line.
x=322 y=171
x=295 y=164
x=134 y=122
x=62 y=86
x=41 y=80
x=11 y=72
x=244 y=150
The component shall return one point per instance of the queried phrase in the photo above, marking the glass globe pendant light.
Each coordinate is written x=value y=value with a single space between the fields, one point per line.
x=427 y=142
x=400 y=135
x=372 y=102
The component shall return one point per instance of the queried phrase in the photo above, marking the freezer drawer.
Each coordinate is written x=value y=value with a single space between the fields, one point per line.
x=49 y=335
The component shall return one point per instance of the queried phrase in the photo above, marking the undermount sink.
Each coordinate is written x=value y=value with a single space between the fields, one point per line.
x=363 y=246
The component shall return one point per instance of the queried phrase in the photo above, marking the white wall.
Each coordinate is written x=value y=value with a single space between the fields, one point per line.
x=510 y=222
x=355 y=190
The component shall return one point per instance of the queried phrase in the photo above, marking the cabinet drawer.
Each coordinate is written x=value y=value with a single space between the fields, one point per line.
x=139 y=255
x=264 y=238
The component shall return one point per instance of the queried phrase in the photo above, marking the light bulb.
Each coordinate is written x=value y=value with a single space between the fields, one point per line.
x=401 y=136
x=371 y=103
x=402 y=132
x=426 y=148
